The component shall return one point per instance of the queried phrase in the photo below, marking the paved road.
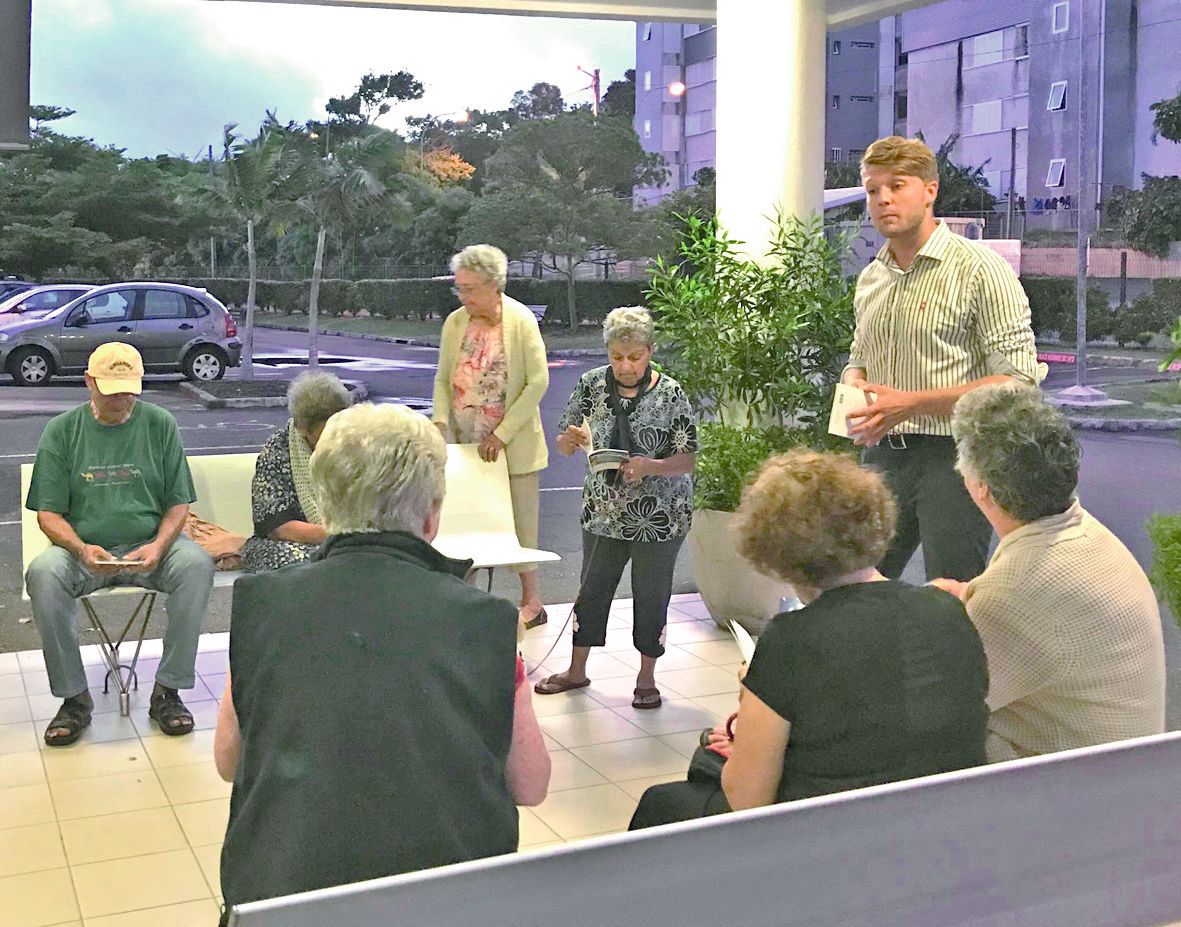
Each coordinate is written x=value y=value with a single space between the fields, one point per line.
x=1125 y=478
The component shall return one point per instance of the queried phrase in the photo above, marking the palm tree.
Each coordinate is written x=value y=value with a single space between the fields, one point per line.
x=346 y=188
x=250 y=188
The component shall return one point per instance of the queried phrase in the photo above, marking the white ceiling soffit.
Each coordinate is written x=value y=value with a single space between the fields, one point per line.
x=841 y=13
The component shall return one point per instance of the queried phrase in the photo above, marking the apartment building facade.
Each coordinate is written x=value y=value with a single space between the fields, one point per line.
x=676 y=97
x=1007 y=77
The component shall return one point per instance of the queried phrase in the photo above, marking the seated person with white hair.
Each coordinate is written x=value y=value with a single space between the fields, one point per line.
x=1069 y=621
x=287 y=526
x=376 y=718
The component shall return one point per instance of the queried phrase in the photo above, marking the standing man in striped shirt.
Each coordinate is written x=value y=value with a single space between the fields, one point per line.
x=936 y=316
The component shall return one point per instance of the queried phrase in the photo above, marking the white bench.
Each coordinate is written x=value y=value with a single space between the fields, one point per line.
x=1088 y=836
x=476 y=524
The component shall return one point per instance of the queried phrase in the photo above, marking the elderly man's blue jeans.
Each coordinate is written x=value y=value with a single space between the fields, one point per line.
x=56 y=580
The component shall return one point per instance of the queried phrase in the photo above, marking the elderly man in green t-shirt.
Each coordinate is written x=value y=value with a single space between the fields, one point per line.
x=111 y=489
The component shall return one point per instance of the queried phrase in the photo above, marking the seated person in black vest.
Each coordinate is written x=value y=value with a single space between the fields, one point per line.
x=375 y=720
x=872 y=681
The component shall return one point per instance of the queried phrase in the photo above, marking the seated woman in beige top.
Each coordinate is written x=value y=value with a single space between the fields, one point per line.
x=1070 y=625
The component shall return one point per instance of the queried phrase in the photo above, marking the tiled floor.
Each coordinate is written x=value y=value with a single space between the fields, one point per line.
x=124 y=828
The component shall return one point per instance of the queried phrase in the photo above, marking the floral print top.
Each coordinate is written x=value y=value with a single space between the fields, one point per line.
x=478 y=383
x=658 y=508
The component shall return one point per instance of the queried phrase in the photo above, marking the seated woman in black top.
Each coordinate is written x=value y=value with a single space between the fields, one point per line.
x=873 y=681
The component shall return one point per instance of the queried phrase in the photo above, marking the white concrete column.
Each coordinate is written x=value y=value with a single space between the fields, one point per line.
x=770 y=114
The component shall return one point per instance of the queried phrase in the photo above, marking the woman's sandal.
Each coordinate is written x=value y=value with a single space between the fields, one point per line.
x=536 y=621
x=168 y=711
x=73 y=717
x=554 y=684
x=646 y=698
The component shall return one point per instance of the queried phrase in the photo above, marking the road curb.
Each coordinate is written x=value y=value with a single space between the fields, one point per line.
x=1107 y=360
x=560 y=354
x=358 y=389
x=1084 y=423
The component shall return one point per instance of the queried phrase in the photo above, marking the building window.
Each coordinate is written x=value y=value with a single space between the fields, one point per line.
x=647 y=80
x=900 y=57
x=864 y=44
x=1021 y=41
x=834 y=154
x=1056 y=175
x=861 y=99
x=647 y=128
x=1060 y=17
x=1057 y=99
x=986 y=117
x=987 y=49
x=647 y=32
x=836 y=101
x=900 y=106
x=836 y=46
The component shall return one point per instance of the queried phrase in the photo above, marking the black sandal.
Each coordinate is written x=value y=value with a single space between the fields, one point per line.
x=73 y=717
x=168 y=711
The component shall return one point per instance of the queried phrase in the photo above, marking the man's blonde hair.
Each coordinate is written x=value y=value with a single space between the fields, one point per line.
x=908 y=156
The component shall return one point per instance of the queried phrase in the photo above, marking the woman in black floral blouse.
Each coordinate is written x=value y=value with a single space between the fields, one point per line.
x=640 y=512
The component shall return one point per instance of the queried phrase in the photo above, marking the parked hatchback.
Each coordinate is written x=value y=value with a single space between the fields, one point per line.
x=174 y=327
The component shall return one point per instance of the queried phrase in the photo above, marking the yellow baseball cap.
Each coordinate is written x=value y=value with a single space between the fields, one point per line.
x=116 y=368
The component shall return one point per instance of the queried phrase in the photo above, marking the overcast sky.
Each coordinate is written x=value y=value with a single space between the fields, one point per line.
x=157 y=76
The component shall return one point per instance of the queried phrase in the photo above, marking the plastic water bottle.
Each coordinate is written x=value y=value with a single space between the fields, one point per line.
x=790 y=603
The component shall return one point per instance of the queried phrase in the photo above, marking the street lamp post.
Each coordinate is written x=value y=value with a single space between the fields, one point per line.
x=677 y=90
x=594 y=87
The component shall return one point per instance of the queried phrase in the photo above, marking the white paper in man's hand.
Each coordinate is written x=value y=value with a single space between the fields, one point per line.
x=846 y=399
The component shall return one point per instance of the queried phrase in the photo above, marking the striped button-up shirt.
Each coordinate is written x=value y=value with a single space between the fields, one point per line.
x=957 y=314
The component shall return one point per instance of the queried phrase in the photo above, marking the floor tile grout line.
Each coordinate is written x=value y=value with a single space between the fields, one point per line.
x=58 y=824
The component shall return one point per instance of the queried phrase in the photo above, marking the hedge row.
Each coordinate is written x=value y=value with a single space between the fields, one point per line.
x=1052 y=304
x=424 y=299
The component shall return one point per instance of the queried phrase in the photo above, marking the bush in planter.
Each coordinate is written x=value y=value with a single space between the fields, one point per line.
x=728 y=457
x=1165 y=531
x=755 y=344
x=758 y=348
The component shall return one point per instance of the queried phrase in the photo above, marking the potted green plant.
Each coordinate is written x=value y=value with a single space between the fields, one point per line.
x=1165 y=530
x=758 y=347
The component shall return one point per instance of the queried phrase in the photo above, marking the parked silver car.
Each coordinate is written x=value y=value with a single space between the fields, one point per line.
x=174 y=327
x=40 y=299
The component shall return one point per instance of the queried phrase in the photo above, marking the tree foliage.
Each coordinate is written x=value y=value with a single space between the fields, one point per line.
x=560 y=188
x=541 y=101
x=373 y=98
x=1150 y=218
x=620 y=98
x=962 y=189
x=1167 y=121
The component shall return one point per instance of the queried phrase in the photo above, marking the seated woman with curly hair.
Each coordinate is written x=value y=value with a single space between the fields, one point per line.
x=872 y=681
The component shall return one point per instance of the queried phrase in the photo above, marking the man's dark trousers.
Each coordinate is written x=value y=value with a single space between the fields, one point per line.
x=934 y=508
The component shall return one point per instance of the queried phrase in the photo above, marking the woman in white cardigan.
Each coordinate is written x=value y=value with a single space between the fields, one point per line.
x=488 y=387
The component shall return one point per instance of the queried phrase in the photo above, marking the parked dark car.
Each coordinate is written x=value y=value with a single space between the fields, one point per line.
x=174 y=327
x=11 y=285
x=40 y=299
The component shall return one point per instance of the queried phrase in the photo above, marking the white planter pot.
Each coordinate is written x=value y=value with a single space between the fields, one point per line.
x=730 y=585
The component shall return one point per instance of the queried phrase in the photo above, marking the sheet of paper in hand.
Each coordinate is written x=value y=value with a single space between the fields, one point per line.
x=746 y=643
x=846 y=399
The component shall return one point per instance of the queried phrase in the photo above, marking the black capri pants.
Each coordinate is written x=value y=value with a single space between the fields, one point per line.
x=603 y=560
